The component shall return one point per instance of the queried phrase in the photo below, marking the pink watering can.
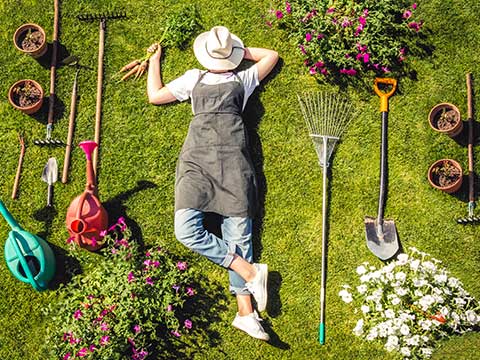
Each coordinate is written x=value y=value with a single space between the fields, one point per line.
x=86 y=217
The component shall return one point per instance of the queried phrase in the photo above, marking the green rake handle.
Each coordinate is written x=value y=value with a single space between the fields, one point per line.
x=321 y=329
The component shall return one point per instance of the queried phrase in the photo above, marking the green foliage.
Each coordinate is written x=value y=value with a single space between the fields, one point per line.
x=345 y=38
x=126 y=307
x=180 y=26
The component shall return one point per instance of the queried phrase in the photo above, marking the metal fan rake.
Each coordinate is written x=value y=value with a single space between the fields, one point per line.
x=327 y=116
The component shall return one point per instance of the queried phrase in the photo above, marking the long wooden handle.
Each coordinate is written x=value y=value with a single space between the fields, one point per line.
x=71 y=126
x=19 y=169
x=471 y=172
x=98 y=112
x=53 y=63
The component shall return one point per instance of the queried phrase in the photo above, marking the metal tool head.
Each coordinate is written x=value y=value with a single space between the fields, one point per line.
x=382 y=239
x=49 y=142
x=50 y=171
x=469 y=220
x=102 y=16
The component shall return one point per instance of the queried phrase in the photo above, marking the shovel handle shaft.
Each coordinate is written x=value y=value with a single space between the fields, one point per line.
x=471 y=173
x=383 y=168
x=71 y=126
x=384 y=96
x=50 y=195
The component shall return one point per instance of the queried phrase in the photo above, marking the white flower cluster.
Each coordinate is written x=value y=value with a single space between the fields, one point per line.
x=410 y=304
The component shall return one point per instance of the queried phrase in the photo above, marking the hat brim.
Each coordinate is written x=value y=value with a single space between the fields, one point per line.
x=210 y=63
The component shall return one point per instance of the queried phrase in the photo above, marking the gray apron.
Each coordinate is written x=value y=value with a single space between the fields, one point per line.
x=214 y=171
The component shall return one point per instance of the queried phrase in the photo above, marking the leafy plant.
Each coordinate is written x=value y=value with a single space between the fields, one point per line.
x=445 y=173
x=349 y=38
x=26 y=93
x=410 y=304
x=128 y=306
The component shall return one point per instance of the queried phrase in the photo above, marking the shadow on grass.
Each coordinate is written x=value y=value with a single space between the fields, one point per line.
x=116 y=208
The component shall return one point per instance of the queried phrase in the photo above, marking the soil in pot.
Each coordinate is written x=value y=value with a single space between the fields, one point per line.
x=26 y=94
x=31 y=40
x=445 y=174
x=446 y=119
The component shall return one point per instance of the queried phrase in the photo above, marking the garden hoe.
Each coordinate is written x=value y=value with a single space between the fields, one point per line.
x=382 y=238
x=470 y=219
x=102 y=17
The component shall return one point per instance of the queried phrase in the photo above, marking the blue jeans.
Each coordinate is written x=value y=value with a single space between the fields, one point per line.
x=237 y=239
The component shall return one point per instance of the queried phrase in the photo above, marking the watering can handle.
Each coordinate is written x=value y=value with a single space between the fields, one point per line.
x=8 y=217
x=23 y=262
x=384 y=95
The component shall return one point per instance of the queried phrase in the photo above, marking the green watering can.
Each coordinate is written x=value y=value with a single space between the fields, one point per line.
x=29 y=258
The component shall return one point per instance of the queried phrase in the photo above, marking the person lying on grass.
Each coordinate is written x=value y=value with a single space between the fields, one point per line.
x=214 y=170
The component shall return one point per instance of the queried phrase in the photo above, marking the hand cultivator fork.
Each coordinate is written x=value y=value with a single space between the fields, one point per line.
x=102 y=17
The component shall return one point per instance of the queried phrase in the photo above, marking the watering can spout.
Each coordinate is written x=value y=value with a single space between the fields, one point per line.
x=8 y=217
x=88 y=146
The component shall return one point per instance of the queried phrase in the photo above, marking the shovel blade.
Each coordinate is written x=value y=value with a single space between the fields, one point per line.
x=384 y=246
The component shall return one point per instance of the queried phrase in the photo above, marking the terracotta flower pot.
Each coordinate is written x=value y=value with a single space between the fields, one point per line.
x=445 y=175
x=445 y=118
x=31 y=40
x=26 y=96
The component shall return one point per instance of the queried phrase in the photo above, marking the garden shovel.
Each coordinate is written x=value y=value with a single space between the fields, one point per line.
x=49 y=175
x=381 y=234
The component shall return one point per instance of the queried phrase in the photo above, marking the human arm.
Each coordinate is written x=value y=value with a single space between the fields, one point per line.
x=265 y=60
x=158 y=94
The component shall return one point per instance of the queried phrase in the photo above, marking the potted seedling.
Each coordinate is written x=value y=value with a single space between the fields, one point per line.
x=445 y=175
x=445 y=118
x=31 y=40
x=26 y=96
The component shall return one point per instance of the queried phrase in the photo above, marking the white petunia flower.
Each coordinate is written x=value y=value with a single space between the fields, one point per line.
x=414 y=265
x=459 y=301
x=441 y=278
x=361 y=270
x=365 y=309
x=426 y=301
x=425 y=324
x=402 y=259
x=405 y=351
x=404 y=330
x=378 y=307
x=358 y=330
x=427 y=351
x=346 y=296
x=362 y=289
x=472 y=317
x=396 y=300
x=389 y=314
x=453 y=282
x=429 y=266
x=401 y=291
x=400 y=276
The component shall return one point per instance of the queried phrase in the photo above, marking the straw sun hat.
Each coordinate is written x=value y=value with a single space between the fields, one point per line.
x=218 y=49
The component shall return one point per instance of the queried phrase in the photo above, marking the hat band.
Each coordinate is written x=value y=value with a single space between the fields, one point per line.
x=222 y=57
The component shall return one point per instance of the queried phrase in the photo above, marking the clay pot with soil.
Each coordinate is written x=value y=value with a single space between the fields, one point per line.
x=445 y=118
x=30 y=39
x=26 y=96
x=446 y=175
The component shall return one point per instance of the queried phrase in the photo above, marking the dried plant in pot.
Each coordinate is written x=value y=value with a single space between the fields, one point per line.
x=445 y=118
x=31 y=40
x=26 y=96
x=445 y=175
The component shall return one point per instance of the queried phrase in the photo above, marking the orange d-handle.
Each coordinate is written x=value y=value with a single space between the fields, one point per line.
x=384 y=95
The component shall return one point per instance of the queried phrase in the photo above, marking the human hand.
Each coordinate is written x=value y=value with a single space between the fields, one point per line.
x=156 y=50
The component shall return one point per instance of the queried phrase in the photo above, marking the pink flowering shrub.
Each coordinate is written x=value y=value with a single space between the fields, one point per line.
x=126 y=307
x=344 y=38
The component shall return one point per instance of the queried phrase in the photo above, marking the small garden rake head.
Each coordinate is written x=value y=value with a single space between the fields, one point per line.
x=327 y=116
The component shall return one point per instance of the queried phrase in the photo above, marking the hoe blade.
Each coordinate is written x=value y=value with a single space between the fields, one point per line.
x=381 y=240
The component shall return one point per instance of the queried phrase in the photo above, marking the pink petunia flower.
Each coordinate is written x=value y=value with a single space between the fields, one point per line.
x=182 y=265
x=268 y=23
x=175 y=333
x=302 y=49
x=365 y=12
x=156 y=264
x=362 y=20
x=169 y=307
x=130 y=277
x=330 y=10
x=147 y=262
x=148 y=254
x=104 y=327
x=104 y=340
x=349 y=72
x=77 y=314
x=324 y=71
x=346 y=22
x=288 y=7
x=67 y=356
x=319 y=64
x=190 y=291
x=94 y=241
x=407 y=14
x=92 y=348
x=70 y=240
x=320 y=36
x=279 y=14
x=82 y=352
x=308 y=37
x=103 y=233
x=149 y=281
x=137 y=329
x=188 y=324
x=414 y=6
x=415 y=25
x=312 y=70
x=385 y=69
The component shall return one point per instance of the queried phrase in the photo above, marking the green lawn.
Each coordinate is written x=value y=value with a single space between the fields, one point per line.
x=141 y=142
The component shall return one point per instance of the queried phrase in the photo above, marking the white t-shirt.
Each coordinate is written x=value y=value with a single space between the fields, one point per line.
x=182 y=86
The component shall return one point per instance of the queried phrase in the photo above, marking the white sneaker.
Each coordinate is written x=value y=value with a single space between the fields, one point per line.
x=251 y=325
x=258 y=286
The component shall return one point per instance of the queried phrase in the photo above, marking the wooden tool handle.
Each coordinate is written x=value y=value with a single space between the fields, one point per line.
x=71 y=126
x=98 y=112
x=53 y=63
x=19 y=169
x=471 y=173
